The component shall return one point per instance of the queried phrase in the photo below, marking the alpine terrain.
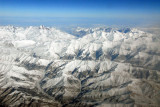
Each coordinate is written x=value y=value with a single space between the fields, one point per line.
x=90 y=67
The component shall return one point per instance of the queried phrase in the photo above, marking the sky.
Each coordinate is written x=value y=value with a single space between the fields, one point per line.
x=82 y=12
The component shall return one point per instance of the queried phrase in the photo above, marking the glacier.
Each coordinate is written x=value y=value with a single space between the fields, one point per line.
x=103 y=67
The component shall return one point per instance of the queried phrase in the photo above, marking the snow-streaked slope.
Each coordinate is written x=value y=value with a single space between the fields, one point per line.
x=102 y=67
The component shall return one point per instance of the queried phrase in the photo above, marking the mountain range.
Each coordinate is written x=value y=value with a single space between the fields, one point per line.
x=88 y=67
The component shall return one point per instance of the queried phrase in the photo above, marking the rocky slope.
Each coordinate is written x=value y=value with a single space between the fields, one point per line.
x=43 y=66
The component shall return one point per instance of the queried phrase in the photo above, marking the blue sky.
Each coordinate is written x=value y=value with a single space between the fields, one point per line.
x=50 y=12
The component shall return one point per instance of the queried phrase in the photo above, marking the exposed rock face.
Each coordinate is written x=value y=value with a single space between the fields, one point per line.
x=41 y=66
